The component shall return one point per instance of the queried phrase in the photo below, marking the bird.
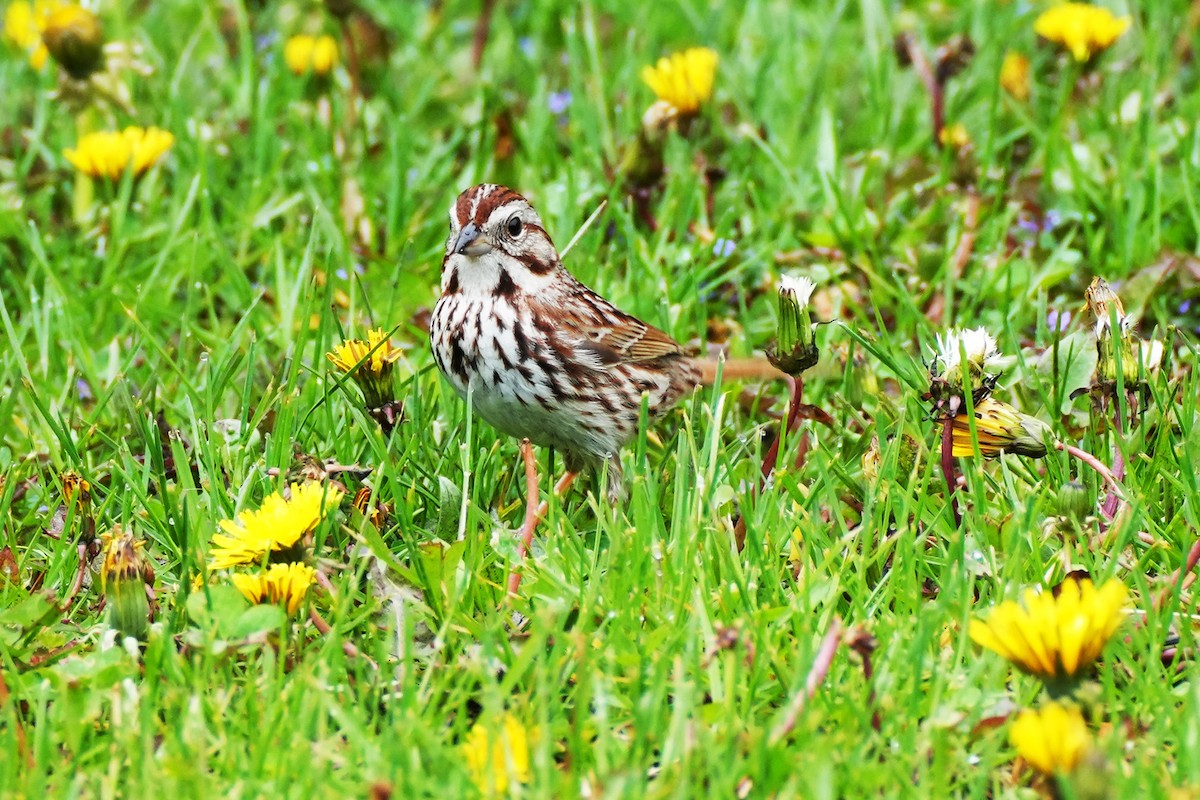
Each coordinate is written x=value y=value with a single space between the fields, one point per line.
x=542 y=356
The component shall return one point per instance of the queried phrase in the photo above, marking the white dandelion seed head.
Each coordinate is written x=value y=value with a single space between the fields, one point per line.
x=801 y=287
x=978 y=344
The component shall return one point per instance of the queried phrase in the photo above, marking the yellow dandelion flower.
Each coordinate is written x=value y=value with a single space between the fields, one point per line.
x=1083 y=29
x=316 y=54
x=278 y=524
x=496 y=758
x=954 y=136
x=370 y=363
x=684 y=80
x=75 y=489
x=107 y=154
x=75 y=37
x=1014 y=75
x=1054 y=637
x=23 y=26
x=1000 y=428
x=1053 y=739
x=284 y=584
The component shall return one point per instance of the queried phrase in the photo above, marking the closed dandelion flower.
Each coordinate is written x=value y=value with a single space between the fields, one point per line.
x=122 y=577
x=75 y=37
x=23 y=26
x=1014 y=75
x=684 y=80
x=497 y=758
x=306 y=54
x=108 y=154
x=276 y=526
x=795 y=348
x=1053 y=739
x=1054 y=637
x=371 y=364
x=1081 y=28
x=282 y=584
x=999 y=428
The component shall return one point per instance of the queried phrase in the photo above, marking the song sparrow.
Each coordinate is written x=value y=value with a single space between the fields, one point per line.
x=545 y=357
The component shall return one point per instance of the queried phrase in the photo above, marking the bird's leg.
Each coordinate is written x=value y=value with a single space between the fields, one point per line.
x=533 y=512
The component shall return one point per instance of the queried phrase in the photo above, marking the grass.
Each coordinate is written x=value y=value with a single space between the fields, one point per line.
x=656 y=659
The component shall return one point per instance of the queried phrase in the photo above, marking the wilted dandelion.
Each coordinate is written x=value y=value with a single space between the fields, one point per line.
x=108 y=154
x=316 y=54
x=277 y=525
x=75 y=38
x=1053 y=739
x=999 y=428
x=1081 y=28
x=283 y=584
x=1014 y=75
x=497 y=758
x=683 y=80
x=1054 y=637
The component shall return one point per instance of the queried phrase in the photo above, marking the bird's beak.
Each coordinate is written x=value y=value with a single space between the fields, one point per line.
x=471 y=241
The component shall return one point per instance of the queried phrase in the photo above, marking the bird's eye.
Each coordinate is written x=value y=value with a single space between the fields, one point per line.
x=514 y=226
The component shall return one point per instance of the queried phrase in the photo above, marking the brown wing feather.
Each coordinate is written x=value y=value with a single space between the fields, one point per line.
x=589 y=323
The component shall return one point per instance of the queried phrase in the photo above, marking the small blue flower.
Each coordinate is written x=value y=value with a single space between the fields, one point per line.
x=1185 y=306
x=724 y=247
x=525 y=43
x=1058 y=320
x=559 y=102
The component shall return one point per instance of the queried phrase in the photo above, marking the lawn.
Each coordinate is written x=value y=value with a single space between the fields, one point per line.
x=226 y=571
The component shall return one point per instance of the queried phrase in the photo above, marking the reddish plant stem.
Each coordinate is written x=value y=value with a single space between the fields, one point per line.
x=483 y=26
x=533 y=514
x=937 y=94
x=347 y=648
x=771 y=459
x=1112 y=501
x=816 y=674
x=795 y=395
x=948 y=471
x=1096 y=464
x=1178 y=577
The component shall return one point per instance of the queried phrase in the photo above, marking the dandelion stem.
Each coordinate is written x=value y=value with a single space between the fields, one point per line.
x=325 y=629
x=1178 y=577
x=1093 y=462
x=1113 y=501
x=948 y=471
x=816 y=674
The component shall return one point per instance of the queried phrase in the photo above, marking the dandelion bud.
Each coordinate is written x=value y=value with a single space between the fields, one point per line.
x=123 y=576
x=75 y=38
x=1074 y=501
x=795 y=348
